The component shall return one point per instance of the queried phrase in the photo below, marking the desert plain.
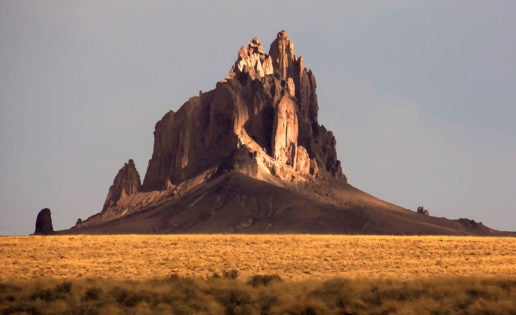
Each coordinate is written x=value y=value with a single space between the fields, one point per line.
x=257 y=274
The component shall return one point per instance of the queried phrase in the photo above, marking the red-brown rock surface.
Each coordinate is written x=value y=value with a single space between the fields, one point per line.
x=284 y=132
x=126 y=183
x=272 y=107
x=283 y=58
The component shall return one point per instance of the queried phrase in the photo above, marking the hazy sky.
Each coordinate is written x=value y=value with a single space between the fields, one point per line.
x=421 y=95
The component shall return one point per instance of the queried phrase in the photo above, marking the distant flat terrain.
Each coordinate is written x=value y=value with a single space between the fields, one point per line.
x=293 y=257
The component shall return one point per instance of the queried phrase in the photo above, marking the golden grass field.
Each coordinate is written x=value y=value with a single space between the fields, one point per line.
x=257 y=274
x=294 y=257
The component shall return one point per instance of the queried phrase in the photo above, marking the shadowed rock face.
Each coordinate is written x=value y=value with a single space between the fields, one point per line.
x=44 y=223
x=126 y=183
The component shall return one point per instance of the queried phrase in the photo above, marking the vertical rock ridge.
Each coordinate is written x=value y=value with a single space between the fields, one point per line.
x=285 y=132
x=282 y=54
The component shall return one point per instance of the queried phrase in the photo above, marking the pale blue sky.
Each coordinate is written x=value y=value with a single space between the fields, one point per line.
x=421 y=95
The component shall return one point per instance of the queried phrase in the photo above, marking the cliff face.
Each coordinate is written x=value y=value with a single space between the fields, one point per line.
x=267 y=103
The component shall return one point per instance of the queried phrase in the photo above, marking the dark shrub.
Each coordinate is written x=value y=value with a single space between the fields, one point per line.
x=231 y=274
x=92 y=294
x=334 y=292
x=184 y=310
x=10 y=298
x=21 y=309
x=120 y=294
x=131 y=299
x=59 y=292
x=64 y=287
x=235 y=301
x=266 y=302
x=174 y=277
x=265 y=280
x=6 y=287
x=309 y=311
x=45 y=295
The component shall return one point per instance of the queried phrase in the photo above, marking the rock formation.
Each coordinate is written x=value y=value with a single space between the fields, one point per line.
x=44 y=223
x=252 y=60
x=127 y=182
x=251 y=157
x=423 y=211
x=282 y=54
x=267 y=103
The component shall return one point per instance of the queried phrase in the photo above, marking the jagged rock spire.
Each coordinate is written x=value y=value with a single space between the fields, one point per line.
x=283 y=57
x=126 y=182
x=266 y=105
x=251 y=60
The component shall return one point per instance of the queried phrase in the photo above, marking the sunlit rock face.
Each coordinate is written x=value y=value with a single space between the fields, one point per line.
x=285 y=129
x=252 y=60
x=267 y=103
x=283 y=58
x=126 y=183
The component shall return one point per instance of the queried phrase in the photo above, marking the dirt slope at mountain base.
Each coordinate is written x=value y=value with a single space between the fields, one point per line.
x=236 y=203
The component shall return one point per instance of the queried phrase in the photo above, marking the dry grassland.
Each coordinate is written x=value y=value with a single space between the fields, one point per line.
x=292 y=257
x=251 y=274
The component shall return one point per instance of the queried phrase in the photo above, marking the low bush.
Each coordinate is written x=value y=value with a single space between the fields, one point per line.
x=231 y=274
x=264 y=280
x=92 y=294
x=21 y=308
x=64 y=287
x=234 y=301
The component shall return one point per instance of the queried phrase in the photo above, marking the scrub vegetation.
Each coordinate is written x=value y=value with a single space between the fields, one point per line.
x=262 y=294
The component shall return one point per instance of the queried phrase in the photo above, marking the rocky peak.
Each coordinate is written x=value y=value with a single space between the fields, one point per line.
x=126 y=183
x=282 y=54
x=252 y=60
x=267 y=105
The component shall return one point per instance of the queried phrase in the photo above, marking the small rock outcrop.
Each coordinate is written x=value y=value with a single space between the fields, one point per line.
x=44 y=223
x=126 y=183
x=421 y=210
